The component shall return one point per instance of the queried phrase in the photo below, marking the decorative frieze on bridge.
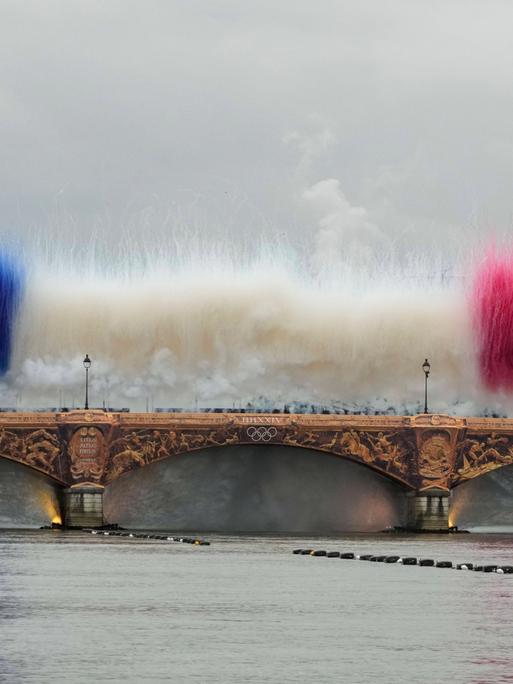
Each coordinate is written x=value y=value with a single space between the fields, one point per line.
x=90 y=449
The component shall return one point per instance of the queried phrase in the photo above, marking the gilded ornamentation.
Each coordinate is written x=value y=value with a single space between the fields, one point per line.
x=42 y=448
x=434 y=463
x=38 y=449
x=86 y=451
x=386 y=451
x=140 y=447
x=12 y=445
x=351 y=444
x=298 y=436
x=480 y=454
x=383 y=450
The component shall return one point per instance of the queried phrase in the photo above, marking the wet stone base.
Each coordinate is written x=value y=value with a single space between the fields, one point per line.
x=428 y=512
x=83 y=507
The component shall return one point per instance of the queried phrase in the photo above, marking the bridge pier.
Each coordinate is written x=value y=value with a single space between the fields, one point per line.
x=428 y=510
x=83 y=507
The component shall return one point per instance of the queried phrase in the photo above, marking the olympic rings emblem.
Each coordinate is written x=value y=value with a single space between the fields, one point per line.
x=261 y=433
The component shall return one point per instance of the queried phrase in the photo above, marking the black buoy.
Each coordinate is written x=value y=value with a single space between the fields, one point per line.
x=423 y=562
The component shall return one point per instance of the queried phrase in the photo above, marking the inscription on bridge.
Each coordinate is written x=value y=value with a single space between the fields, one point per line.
x=263 y=420
x=87 y=453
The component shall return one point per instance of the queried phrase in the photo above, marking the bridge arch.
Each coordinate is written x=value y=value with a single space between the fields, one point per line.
x=138 y=449
x=390 y=455
x=28 y=496
x=255 y=488
x=485 y=501
x=41 y=469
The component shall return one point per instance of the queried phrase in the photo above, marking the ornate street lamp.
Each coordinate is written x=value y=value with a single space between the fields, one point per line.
x=87 y=366
x=426 y=367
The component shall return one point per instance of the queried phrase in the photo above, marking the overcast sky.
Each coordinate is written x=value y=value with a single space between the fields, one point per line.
x=384 y=121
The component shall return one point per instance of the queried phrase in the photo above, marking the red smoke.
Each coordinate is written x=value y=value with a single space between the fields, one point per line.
x=492 y=303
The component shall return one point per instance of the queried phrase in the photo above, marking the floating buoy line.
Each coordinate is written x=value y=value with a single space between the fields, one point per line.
x=161 y=537
x=407 y=560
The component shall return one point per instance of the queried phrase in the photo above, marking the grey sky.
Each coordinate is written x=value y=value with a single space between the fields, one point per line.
x=218 y=115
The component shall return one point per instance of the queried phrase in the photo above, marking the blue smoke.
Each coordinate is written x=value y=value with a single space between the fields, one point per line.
x=12 y=279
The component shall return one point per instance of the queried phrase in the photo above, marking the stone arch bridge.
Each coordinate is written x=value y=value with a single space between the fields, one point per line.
x=86 y=450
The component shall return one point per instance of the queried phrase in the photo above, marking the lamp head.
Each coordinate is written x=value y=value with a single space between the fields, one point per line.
x=87 y=362
x=426 y=367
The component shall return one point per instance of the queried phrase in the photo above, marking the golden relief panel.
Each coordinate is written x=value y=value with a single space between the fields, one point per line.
x=389 y=452
x=435 y=460
x=137 y=448
x=479 y=454
x=40 y=449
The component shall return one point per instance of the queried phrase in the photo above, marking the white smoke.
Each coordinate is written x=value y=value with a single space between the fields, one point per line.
x=311 y=143
x=220 y=334
x=346 y=233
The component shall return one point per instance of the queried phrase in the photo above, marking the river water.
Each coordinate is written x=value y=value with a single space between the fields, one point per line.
x=81 y=608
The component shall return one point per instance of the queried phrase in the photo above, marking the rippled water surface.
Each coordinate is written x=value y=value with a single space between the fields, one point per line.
x=82 y=608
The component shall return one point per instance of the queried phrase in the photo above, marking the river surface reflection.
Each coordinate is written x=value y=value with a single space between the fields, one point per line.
x=81 y=608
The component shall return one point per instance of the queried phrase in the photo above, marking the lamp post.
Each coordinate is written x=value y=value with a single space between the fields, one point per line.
x=87 y=366
x=426 y=367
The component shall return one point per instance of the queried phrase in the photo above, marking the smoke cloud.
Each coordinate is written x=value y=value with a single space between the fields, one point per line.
x=346 y=233
x=219 y=333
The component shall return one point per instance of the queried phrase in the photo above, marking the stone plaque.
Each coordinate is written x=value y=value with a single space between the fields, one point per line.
x=87 y=453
